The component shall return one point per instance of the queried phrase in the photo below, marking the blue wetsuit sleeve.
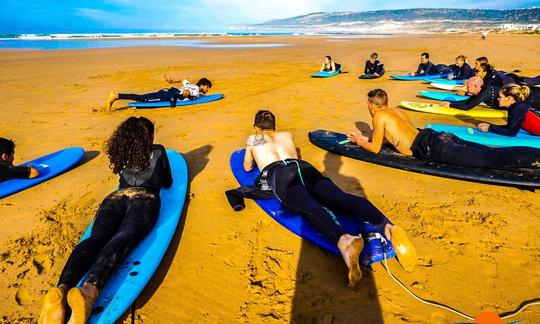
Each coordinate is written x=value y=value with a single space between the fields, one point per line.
x=516 y=116
x=166 y=176
x=471 y=102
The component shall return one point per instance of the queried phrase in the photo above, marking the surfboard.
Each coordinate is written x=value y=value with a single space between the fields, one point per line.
x=49 y=166
x=447 y=86
x=371 y=76
x=129 y=279
x=418 y=77
x=442 y=110
x=299 y=225
x=445 y=81
x=159 y=104
x=443 y=96
x=330 y=141
x=324 y=74
x=471 y=134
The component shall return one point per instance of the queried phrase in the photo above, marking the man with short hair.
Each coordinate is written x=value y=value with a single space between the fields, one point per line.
x=7 y=169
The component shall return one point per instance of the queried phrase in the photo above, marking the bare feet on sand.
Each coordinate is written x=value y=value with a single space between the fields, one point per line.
x=54 y=308
x=113 y=96
x=351 y=247
x=405 y=250
x=80 y=301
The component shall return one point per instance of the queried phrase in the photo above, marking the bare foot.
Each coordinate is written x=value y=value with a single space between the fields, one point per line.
x=81 y=300
x=54 y=308
x=405 y=250
x=113 y=96
x=351 y=247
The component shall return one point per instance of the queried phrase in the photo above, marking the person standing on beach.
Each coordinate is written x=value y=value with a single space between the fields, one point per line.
x=7 y=169
x=188 y=91
x=123 y=219
x=393 y=125
x=303 y=189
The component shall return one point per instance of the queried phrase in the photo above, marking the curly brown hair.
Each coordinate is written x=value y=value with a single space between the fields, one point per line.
x=131 y=144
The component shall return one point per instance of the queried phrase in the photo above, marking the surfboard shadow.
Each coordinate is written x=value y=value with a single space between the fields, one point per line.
x=88 y=156
x=196 y=160
x=321 y=294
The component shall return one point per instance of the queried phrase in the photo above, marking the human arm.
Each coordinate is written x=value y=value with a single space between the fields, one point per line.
x=515 y=120
x=333 y=67
x=366 y=67
x=322 y=67
x=376 y=140
x=17 y=172
x=470 y=103
x=248 y=156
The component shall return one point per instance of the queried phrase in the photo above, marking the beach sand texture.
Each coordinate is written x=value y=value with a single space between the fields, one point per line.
x=478 y=244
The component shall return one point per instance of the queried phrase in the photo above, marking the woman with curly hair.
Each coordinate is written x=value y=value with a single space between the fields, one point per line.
x=123 y=219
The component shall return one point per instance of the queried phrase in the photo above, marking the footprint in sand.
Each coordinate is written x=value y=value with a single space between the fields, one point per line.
x=491 y=270
x=22 y=297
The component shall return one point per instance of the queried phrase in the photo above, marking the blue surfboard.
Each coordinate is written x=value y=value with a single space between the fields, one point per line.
x=471 y=134
x=324 y=74
x=159 y=104
x=299 y=225
x=129 y=279
x=444 y=96
x=418 y=77
x=49 y=166
x=445 y=81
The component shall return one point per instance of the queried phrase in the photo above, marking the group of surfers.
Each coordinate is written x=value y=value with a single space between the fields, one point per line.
x=127 y=214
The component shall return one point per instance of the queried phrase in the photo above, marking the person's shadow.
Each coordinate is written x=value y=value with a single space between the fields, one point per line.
x=332 y=165
x=365 y=128
x=196 y=161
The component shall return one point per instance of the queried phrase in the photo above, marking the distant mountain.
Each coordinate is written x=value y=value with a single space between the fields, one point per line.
x=407 y=20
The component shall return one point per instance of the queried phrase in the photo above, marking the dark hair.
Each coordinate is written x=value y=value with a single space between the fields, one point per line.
x=488 y=68
x=482 y=59
x=131 y=144
x=425 y=54
x=6 y=146
x=204 y=82
x=378 y=97
x=374 y=55
x=264 y=119
x=328 y=57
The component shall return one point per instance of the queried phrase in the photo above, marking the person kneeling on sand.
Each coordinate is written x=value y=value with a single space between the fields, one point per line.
x=187 y=91
x=123 y=219
x=7 y=169
x=429 y=145
x=303 y=189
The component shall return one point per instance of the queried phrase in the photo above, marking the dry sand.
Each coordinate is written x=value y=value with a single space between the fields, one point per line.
x=478 y=244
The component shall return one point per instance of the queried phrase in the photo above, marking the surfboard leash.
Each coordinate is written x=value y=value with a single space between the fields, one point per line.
x=503 y=316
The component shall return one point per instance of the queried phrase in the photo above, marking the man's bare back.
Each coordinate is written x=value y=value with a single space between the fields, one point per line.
x=391 y=124
x=268 y=147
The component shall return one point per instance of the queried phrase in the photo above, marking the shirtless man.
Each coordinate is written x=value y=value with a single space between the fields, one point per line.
x=302 y=188
x=393 y=125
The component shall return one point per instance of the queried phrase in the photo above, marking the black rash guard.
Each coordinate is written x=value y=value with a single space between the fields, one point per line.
x=516 y=116
x=10 y=171
x=489 y=94
x=372 y=68
x=156 y=176
x=426 y=69
x=462 y=73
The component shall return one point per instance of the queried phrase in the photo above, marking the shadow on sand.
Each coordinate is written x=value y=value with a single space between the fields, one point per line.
x=321 y=293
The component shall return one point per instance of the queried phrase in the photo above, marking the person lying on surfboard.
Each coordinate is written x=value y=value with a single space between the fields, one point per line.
x=330 y=66
x=373 y=66
x=187 y=91
x=302 y=188
x=461 y=70
x=393 y=125
x=425 y=67
x=123 y=219
x=7 y=169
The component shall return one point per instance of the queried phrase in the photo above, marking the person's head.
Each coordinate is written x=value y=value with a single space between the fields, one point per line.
x=7 y=150
x=377 y=99
x=479 y=61
x=373 y=57
x=474 y=85
x=512 y=93
x=264 y=120
x=484 y=69
x=327 y=59
x=130 y=145
x=460 y=60
x=204 y=85
x=424 y=58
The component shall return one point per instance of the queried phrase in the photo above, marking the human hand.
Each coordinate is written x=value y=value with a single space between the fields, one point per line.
x=445 y=103
x=450 y=77
x=484 y=127
x=168 y=79
x=357 y=138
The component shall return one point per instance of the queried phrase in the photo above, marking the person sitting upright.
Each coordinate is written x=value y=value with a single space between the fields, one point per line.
x=7 y=169
x=461 y=70
x=373 y=66
x=330 y=66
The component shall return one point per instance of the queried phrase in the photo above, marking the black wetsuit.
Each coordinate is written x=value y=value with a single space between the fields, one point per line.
x=303 y=189
x=462 y=73
x=489 y=94
x=516 y=116
x=337 y=65
x=10 y=171
x=500 y=78
x=171 y=95
x=530 y=81
x=123 y=219
x=442 y=147
x=372 y=68
x=426 y=69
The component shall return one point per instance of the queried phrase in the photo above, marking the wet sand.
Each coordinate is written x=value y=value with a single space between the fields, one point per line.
x=478 y=244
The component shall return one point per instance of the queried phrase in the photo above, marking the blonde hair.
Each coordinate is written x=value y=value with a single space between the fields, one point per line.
x=519 y=92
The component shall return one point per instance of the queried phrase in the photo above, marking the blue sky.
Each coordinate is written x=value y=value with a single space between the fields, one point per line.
x=49 y=16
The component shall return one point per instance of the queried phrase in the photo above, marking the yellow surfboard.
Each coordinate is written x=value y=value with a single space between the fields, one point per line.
x=442 y=110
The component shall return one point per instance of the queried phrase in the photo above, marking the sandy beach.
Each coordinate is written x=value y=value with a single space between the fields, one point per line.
x=479 y=245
